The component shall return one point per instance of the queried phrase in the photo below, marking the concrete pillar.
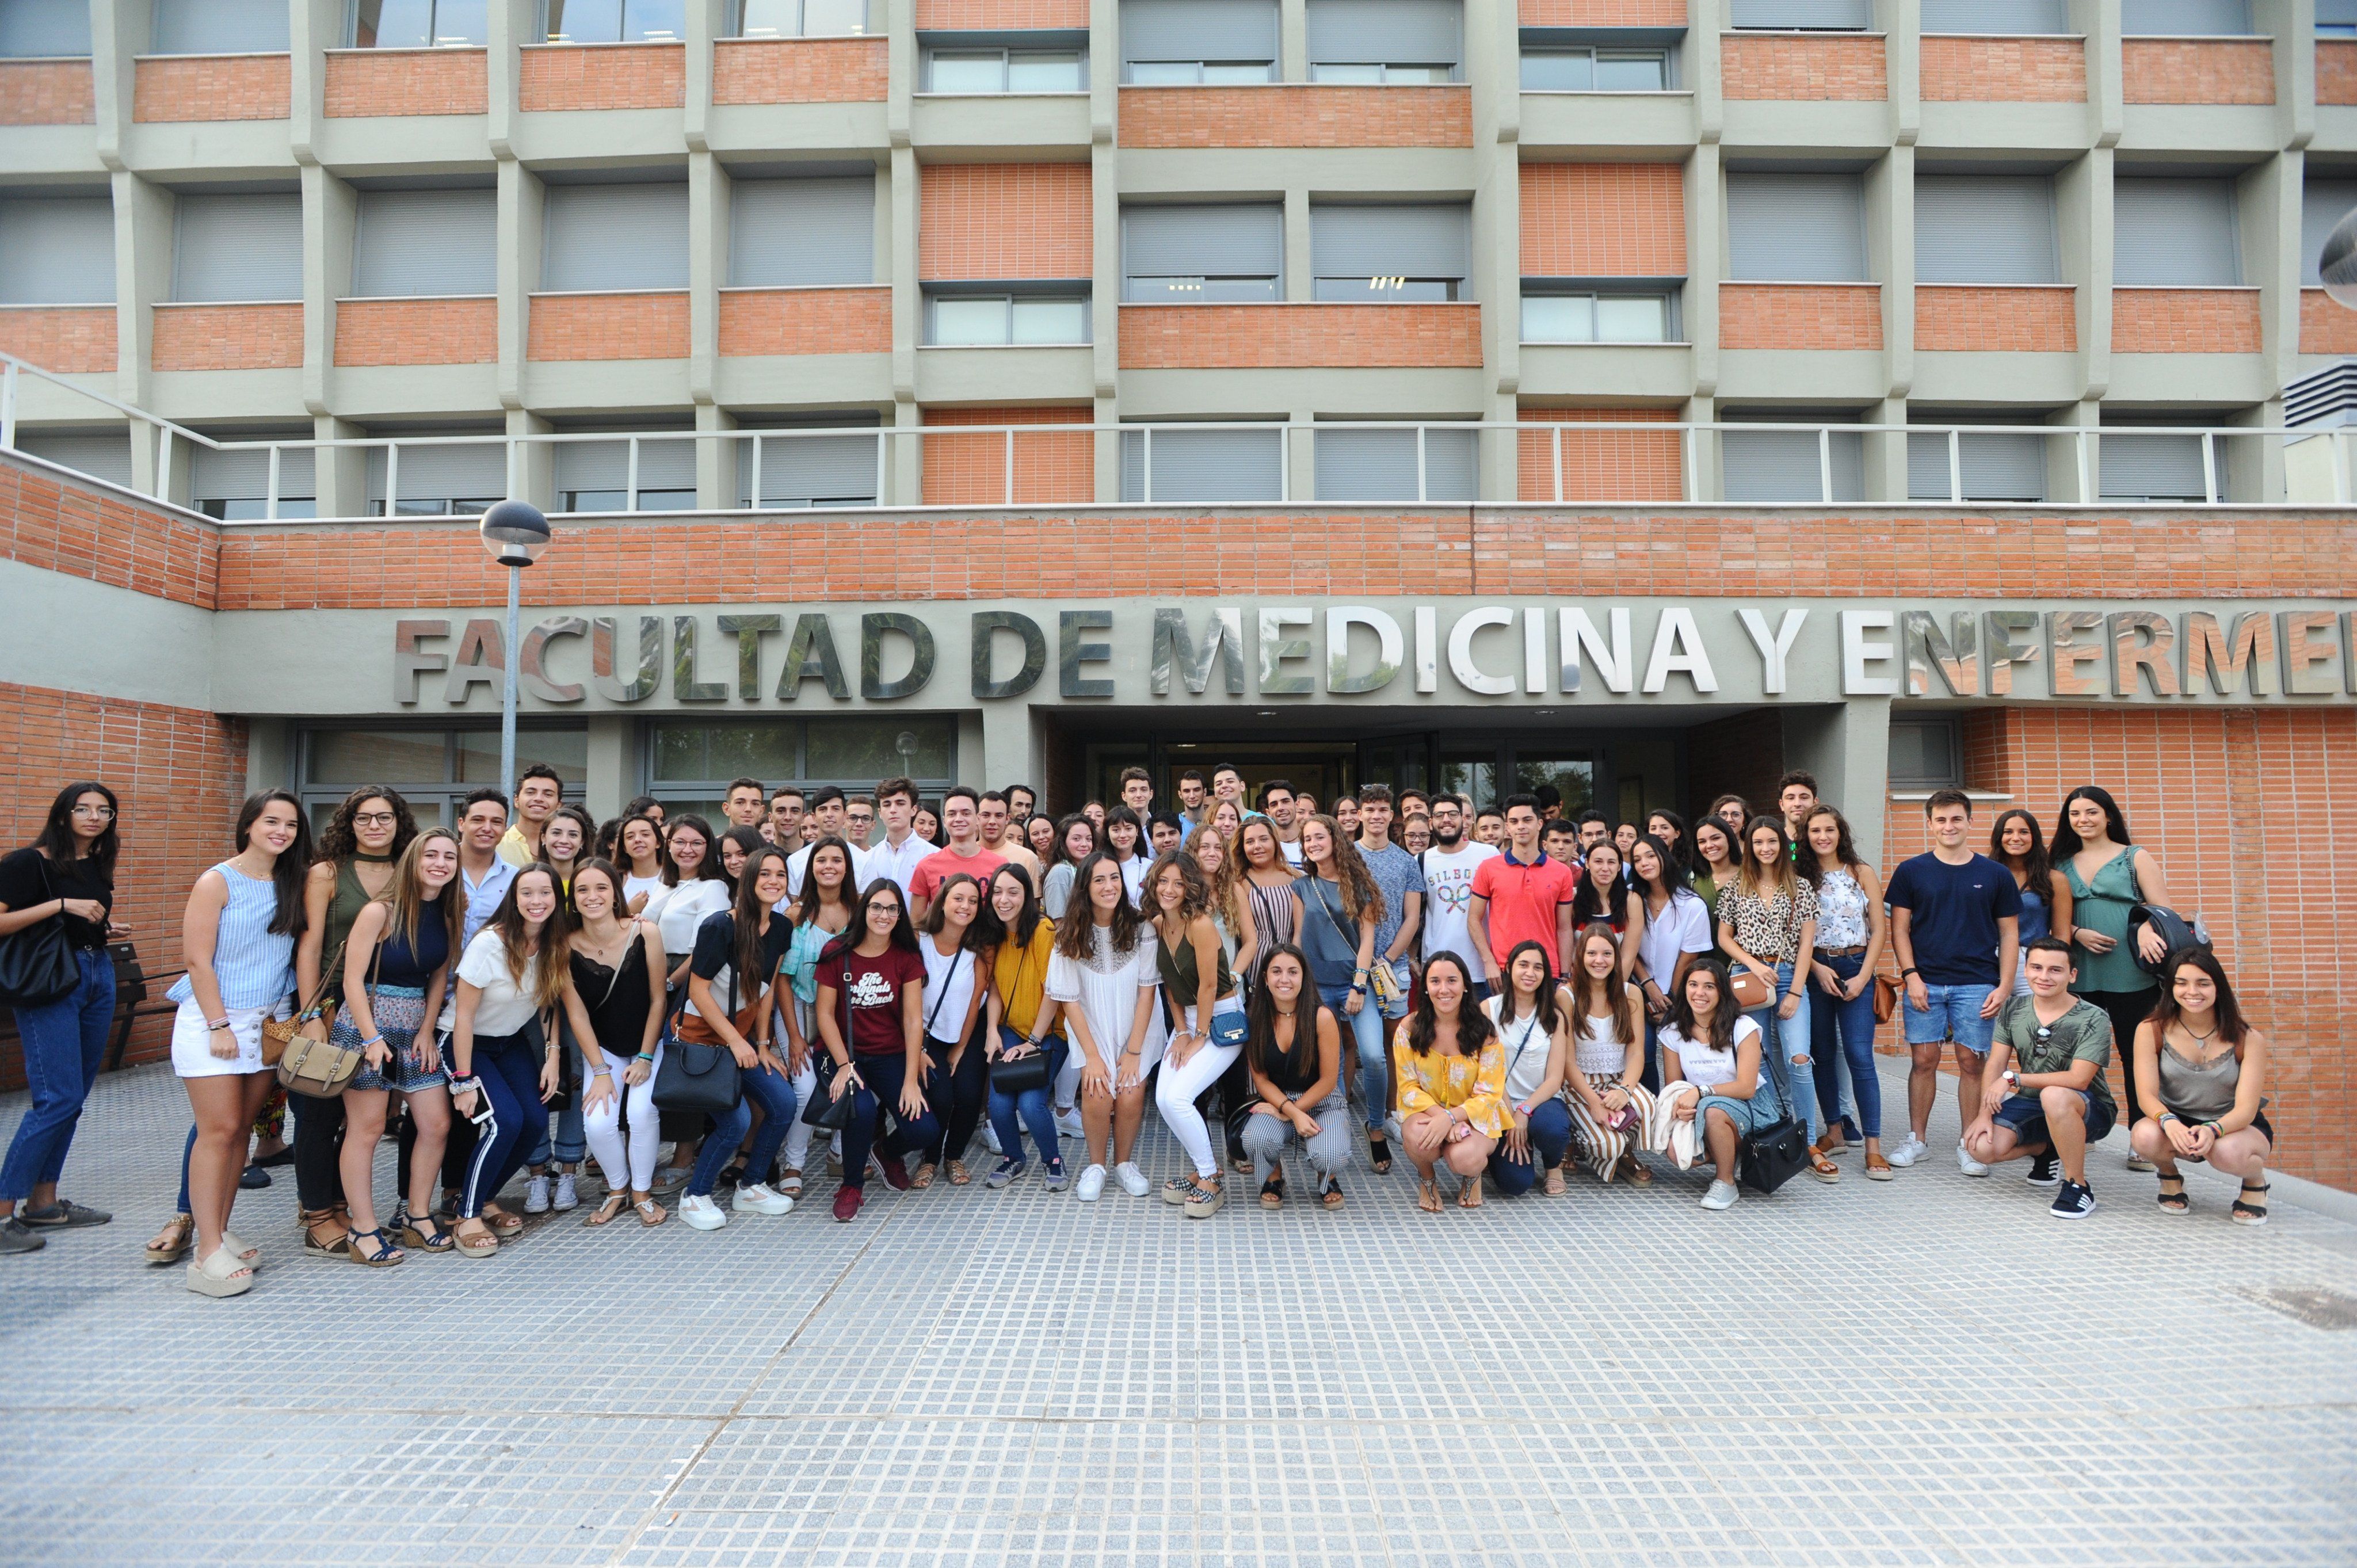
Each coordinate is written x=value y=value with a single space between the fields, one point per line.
x=612 y=766
x=521 y=214
x=331 y=216
x=1300 y=273
x=1847 y=745
x=1293 y=40
x=1003 y=752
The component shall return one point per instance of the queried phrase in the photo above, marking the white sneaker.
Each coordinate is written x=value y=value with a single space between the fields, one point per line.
x=1720 y=1195
x=990 y=1137
x=567 y=1198
x=1907 y=1151
x=535 y=1196
x=1068 y=1122
x=1392 y=1130
x=1970 y=1166
x=1133 y=1180
x=759 y=1197
x=1092 y=1185
x=701 y=1213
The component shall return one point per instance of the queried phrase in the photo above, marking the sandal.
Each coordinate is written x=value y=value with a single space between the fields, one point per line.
x=1427 y=1196
x=220 y=1276
x=1330 y=1195
x=651 y=1213
x=2244 y=1213
x=1877 y=1168
x=172 y=1243
x=924 y=1176
x=1824 y=1169
x=315 y=1220
x=1241 y=1164
x=381 y=1254
x=1272 y=1192
x=1379 y=1154
x=413 y=1233
x=2174 y=1202
x=1469 y=1195
x=1640 y=1172
x=1555 y=1185
x=789 y=1182
x=246 y=1252
x=482 y=1244
x=959 y=1174
x=608 y=1211
x=503 y=1223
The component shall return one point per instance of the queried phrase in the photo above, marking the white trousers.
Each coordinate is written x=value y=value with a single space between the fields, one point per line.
x=634 y=1169
x=798 y=1136
x=1175 y=1091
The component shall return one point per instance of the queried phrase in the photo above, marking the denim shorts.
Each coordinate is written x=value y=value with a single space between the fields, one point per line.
x=1748 y=1115
x=1954 y=1015
x=2025 y=1115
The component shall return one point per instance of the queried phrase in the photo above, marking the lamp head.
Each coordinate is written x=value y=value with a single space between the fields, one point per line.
x=2338 y=264
x=514 y=532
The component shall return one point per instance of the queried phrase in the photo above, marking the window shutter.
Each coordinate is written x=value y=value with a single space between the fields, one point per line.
x=2176 y=19
x=220 y=27
x=1380 y=464
x=246 y=474
x=809 y=470
x=2006 y=18
x=426 y=244
x=2174 y=232
x=1203 y=242
x=44 y=30
x=102 y=457
x=2155 y=468
x=668 y=465
x=238 y=248
x=1385 y=32
x=1782 y=465
x=58 y=251
x=616 y=237
x=1985 y=229
x=1834 y=15
x=1421 y=241
x=474 y=472
x=1994 y=468
x=1204 y=466
x=784 y=234
x=2323 y=203
x=1796 y=228
x=1199 y=29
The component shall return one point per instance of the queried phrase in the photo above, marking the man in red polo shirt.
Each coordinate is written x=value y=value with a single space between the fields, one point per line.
x=962 y=822
x=1522 y=895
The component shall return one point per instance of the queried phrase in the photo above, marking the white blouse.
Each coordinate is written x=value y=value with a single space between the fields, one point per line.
x=1104 y=988
x=1702 y=1067
x=684 y=911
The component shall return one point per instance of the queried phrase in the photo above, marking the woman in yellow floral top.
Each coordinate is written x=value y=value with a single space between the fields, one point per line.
x=1451 y=1072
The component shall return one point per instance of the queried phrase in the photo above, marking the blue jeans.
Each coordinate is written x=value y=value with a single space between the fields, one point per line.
x=1843 y=1030
x=64 y=1042
x=1951 y=1013
x=775 y=1094
x=565 y=1142
x=1782 y=1039
x=1366 y=1027
x=1009 y=1114
x=880 y=1079
x=508 y=1068
x=1550 y=1139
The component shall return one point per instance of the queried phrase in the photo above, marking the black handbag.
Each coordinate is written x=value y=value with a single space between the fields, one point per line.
x=830 y=1111
x=700 y=1080
x=37 y=963
x=1772 y=1157
x=1025 y=1074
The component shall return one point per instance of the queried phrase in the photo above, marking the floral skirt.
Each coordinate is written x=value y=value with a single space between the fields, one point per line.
x=400 y=1014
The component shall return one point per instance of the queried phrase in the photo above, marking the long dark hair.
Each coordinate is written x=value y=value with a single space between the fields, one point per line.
x=2037 y=867
x=1722 y=1016
x=2067 y=841
x=1473 y=1029
x=1123 y=814
x=1590 y=903
x=1845 y=848
x=339 y=842
x=1672 y=880
x=1682 y=851
x=57 y=841
x=1260 y=1023
x=1026 y=918
x=1548 y=1012
x=1072 y=937
x=1615 y=989
x=293 y=867
x=904 y=935
x=2233 y=1027
x=406 y=902
x=748 y=912
x=810 y=900
x=1057 y=855
x=749 y=840
x=555 y=938
x=937 y=917
x=708 y=868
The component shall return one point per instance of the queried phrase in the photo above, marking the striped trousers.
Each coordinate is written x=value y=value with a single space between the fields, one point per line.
x=1602 y=1147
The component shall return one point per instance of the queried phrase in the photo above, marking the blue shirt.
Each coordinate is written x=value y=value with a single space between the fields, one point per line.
x=1953 y=911
x=483 y=897
x=1397 y=874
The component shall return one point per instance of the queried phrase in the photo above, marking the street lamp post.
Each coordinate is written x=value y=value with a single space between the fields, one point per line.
x=515 y=534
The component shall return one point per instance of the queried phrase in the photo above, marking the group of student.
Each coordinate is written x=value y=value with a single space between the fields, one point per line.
x=1502 y=992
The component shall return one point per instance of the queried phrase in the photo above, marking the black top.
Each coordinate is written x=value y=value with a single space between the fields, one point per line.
x=716 y=951
x=1294 y=1070
x=22 y=886
x=617 y=999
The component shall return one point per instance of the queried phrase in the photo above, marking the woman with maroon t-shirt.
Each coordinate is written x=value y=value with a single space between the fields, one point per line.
x=871 y=995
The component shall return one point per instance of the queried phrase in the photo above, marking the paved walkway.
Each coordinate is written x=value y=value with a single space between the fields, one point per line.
x=1930 y=1371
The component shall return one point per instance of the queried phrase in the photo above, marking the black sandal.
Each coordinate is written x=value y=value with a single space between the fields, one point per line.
x=380 y=1253
x=1272 y=1192
x=1379 y=1154
x=427 y=1235
x=2251 y=1213
x=1330 y=1195
x=2173 y=1202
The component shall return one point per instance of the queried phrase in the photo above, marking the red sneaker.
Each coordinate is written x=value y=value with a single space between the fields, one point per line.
x=896 y=1173
x=846 y=1202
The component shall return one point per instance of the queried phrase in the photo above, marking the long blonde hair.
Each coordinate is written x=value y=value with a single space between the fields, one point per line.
x=1227 y=903
x=404 y=895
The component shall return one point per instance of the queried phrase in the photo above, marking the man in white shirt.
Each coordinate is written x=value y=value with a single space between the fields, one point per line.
x=1000 y=836
x=827 y=811
x=1448 y=867
x=786 y=807
x=859 y=821
x=1276 y=801
x=895 y=856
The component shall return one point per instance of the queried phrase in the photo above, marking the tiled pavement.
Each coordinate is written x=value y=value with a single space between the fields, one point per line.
x=1928 y=1371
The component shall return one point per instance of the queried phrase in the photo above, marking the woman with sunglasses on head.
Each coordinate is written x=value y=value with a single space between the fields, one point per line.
x=1532 y=1016
x=1293 y=1048
x=1022 y=1021
x=871 y=1021
x=1203 y=992
x=950 y=941
x=1107 y=975
x=732 y=1002
x=1452 y=1084
x=820 y=913
x=615 y=958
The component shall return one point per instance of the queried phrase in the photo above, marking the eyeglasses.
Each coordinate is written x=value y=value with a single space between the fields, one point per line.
x=100 y=811
x=374 y=819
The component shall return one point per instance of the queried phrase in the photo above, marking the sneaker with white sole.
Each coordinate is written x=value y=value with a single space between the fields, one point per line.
x=1970 y=1165
x=1009 y=1169
x=1133 y=1180
x=1907 y=1151
x=2073 y=1200
x=2042 y=1170
x=1092 y=1185
x=760 y=1197
x=535 y=1196
x=567 y=1196
x=990 y=1137
x=1068 y=1122
x=1720 y=1195
x=1057 y=1180
x=701 y=1213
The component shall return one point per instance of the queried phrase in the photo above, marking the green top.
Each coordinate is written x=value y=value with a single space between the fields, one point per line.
x=1182 y=980
x=1708 y=891
x=2103 y=905
x=2081 y=1035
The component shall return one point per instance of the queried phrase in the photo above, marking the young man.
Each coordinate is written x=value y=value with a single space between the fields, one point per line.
x=1194 y=801
x=2044 y=1097
x=1402 y=882
x=897 y=856
x=1022 y=801
x=1489 y=827
x=786 y=816
x=1346 y=815
x=1525 y=894
x=859 y=821
x=998 y=835
x=1137 y=792
x=1276 y=804
x=1954 y=922
x=539 y=791
x=484 y=869
x=743 y=804
x=1796 y=797
x=1414 y=803
x=1163 y=834
x=828 y=814
x=1448 y=867
x=1593 y=828
x=1563 y=841
x=1228 y=784
x=962 y=825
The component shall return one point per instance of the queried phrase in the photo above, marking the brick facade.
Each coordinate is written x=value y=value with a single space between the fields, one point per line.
x=1003 y=221
x=1800 y=316
x=67 y=340
x=1603 y=220
x=1603 y=12
x=1220 y=337
x=806 y=320
x=800 y=71
x=362 y=82
x=1600 y=463
x=2004 y=71
x=2197 y=70
x=46 y=92
x=1051 y=469
x=212 y=86
x=2185 y=321
x=82 y=531
x=2325 y=328
x=417 y=331
x=1978 y=318
x=1297 y=116
x=2336 y=70
x=999 y=16
x=603 y=76
x=258 y=336
x=1812 y=67
x=651 y=326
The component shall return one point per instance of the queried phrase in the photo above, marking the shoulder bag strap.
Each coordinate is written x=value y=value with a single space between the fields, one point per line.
x=935 y=1012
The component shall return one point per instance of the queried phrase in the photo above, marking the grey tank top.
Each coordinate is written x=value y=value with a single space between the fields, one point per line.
x=2198 y=1091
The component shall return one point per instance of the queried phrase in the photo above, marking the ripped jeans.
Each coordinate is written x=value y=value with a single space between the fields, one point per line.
x=1785 y=1047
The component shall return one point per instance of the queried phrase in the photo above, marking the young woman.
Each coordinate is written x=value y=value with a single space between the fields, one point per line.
x=951 y=943
x=1715 y=857
x=871 y=1019
x=1039 y=833
x=1732 y=809
x=1267 y=883
x=1603 y=895
x=1230 y=910
x=1228 y=819
x=238 y=938
x=1850 y=934
x=1767 y=923
x=1202 y=991
x=1531 y=1017
x=515 y=969
x=1452 y=1084
x=731 y=982
x=1671 y=829
x=1022 y=1021
x=820 y=915
x=927 y=824
x=643 y=863
x=1677 y=930
x=615 y=958
x=1711 y=1056
x=1076 y=839
x=735 y=844
x=2207 y=1068
x=1416 y=834
x=1336 y=908
x=1293 y=1048
x=396 y=965
x=1095 y=813
x=1624 y=838
x=1611 y=1110
x=1105 y=973
x=2017 y=844
x=1124 y=836
x=607 y=843
x=565 y=841
x=68 y=873
x=2108 y=876
x=696 y=889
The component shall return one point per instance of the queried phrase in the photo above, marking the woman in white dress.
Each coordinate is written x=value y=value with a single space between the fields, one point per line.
x=1104 y=973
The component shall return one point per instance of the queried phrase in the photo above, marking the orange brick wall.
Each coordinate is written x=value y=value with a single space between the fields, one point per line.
x=608 y=326
x=2336 y=70
x=995 y=15
x=95 y=534
x=1220 y=336
x=1603 y=12
x=971 y=470
x=1004 y=221
x=45 y=92
x=1596 y=465
x=417 y=331
x=603 y=76
x=806 y=320
x=1976 y=318
x=800 y=71
x=1297 y=116
x=212 y=86
x=1807 y=66
x=265 y=337
x=362 y=82
x=1800 y=316
x=2325 y=328
x=2185 y=321
x=2004 y=71
x=70 y=339
x=1603 y=220
x=2197 y=70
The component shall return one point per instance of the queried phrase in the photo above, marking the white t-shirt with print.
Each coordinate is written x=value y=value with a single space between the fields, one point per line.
x=1449 y=895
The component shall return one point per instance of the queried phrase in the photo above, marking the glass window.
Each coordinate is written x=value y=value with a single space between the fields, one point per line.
x=866 y=749
x=997 y=320
x=1387 y=290
x=1047 y=71
x=1051 y=320
x=1237 y=73
x=1201 y=291
x=1574 y=776
x=1630 y=318
x=420 y=24
x=1631 y=71
x=1473 y=775
x=1202 y=73
x=1595 y=70
x=833 y=18
x=432 y=768
x=1595 y=318
x=1558 y=70
x=616 y=21
x=1924 y=754
x=958 y=322
x=1368 y=75
x=801 y=18
x=968 y=71
x=1358 y=74
x=690 y=763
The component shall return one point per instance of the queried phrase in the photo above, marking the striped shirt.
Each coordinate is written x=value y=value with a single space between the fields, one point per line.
x=252 y=965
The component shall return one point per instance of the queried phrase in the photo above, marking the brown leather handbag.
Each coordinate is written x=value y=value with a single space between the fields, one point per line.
x=321 y=1068
x=277 y=1033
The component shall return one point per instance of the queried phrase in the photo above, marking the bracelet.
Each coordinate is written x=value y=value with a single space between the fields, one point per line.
x=603 y=1072
x=218 y=1025
x=1908 y=971
x=2168 y=1116
x=646 y=1056
x=372 y=1040
x=1358 y=974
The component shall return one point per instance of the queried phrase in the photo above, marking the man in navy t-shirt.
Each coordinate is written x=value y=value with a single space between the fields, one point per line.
x=1955 y=926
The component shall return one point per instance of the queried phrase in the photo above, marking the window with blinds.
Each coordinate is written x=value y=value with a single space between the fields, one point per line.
x=44 y=30
x=56 y=250
x=594 y=476
x=2336 y=18
x=2175 y=233
x=1786 y=466
x=1202 y=255
x=1184 y=42
x=1795 y=228
x=220 y=27
x=1989 y=466
x=2157 y=466
x=1392 y=253
x=2009 y=18
x=802 y=233
x=2185 y=18
x=1812 y=16
x=1371 y=41
x=1985 y=228
x=235 y=486
x=2323 y=203
x=425 y=244
x=797 y=470
x=615 y=237
x=1382 y=464
x=1203 y=464
x=237 y=248
x=452 y=479
x=102 y=455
